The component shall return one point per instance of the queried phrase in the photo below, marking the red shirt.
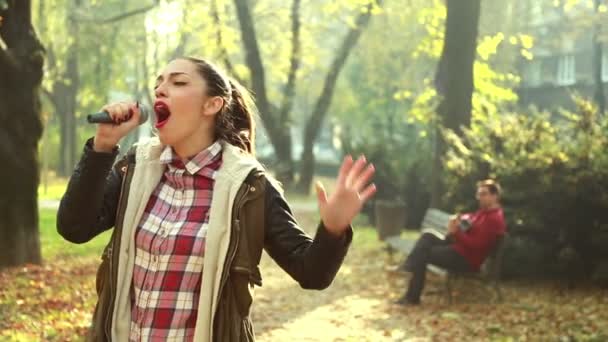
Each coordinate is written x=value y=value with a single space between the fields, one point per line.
x=476 y=243
x=170 y=248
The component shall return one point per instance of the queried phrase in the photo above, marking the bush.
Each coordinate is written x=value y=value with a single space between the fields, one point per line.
x=553 y=169
x=600 y=274
x=399 y=153
x=523 y=257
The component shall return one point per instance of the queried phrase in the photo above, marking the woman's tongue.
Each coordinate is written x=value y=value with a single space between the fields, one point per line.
x=162 y=117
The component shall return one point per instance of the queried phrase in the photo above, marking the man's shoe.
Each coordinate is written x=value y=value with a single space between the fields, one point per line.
x=407 y=267
x=396 y=269
x=404 y=301
x=402 y=268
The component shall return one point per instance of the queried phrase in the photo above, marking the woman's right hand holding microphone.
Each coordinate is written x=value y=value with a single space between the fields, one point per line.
x=126 y=116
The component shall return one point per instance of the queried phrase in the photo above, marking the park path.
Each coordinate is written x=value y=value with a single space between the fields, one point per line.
x=356 y=307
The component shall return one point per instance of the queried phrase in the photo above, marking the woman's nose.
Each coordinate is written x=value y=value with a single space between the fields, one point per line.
x=160 y=91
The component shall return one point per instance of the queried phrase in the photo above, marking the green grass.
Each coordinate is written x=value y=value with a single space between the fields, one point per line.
x=54 y=246
x=54 y=190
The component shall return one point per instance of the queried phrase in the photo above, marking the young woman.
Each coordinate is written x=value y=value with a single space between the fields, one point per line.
x=192 y=210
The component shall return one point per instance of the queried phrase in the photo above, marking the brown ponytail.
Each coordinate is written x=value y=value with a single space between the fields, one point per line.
x=241 y=114
x=235 y=122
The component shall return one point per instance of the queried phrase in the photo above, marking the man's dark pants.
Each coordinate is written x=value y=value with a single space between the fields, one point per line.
x=430 y=249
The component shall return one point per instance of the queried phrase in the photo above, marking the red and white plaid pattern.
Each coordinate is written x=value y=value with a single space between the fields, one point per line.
x=170 y=247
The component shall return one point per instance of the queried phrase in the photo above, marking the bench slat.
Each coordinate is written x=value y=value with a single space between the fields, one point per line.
x=436 y=220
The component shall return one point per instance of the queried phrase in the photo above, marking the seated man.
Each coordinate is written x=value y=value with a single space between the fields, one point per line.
x=470 y=239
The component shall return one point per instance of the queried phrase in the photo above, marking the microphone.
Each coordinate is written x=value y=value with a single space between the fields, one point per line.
x=104 y=117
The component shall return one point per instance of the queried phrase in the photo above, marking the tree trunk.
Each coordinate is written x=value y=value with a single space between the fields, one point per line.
x=599 y=96
x=219 y=41
x=65 y=107
x=314 y=123
x=21 y=61
x=278 y=130
x=63 y=95
x=454 y=79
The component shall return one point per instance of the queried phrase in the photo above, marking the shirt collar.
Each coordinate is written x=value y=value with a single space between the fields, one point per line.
x=490 y=210
x=194 y=164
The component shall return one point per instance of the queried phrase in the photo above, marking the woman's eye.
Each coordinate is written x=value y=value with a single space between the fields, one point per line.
x=179 y=83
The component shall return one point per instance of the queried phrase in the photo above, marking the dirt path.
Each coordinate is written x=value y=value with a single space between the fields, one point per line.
x=358 y=306
x=352 y=309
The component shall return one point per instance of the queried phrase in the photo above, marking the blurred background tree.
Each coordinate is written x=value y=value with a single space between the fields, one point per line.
x=21 y=63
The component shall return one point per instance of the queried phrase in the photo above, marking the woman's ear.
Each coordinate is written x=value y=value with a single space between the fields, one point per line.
x=213 y=105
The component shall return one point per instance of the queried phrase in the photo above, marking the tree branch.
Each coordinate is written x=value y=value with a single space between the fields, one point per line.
x=313 y=125
x=183 y=38
x=254 y=62
x=289 y=91
x=324 y=100
x=220 y=42
x=278 y=130
x=118 y=17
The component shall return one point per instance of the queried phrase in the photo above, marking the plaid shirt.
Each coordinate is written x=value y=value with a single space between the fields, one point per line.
x=170 y=247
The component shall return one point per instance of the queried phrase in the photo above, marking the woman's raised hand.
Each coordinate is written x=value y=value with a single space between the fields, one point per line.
x=352 y=191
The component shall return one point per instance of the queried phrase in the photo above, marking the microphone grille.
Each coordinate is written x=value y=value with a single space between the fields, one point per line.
x=145 y=112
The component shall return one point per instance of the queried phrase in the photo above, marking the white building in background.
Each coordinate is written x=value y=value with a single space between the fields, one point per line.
x=563 y=57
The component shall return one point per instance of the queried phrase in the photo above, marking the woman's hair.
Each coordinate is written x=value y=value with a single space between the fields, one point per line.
x=235 y=122
x=492 y=186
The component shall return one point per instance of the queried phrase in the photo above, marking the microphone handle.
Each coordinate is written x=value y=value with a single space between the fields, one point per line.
x=101 y=117
x=104 y=117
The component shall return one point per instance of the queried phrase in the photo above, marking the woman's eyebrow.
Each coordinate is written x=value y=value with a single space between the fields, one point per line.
x=160 y=77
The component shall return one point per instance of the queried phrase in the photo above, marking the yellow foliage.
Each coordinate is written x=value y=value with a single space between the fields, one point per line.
x=526 y=40
x=489 y=45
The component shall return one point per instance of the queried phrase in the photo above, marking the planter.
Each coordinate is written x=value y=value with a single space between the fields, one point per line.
x=390 y=217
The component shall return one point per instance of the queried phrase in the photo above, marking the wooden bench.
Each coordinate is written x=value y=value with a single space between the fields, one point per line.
x=436 y=222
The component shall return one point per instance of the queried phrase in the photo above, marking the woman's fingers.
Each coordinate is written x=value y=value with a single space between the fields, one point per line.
x=368 y=192
x=364 y=178
x=134 y=114
x=120 y=111
x=125 y=112
x=347 y=163
x=321 y=193
x=354 y=172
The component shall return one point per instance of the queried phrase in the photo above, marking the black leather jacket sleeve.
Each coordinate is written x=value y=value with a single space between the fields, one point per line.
x=89 y=204
x=313 y=263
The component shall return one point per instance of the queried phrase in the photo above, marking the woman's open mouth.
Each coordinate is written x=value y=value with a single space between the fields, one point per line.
x=162 y=113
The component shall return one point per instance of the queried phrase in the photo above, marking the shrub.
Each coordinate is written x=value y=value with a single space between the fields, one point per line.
x=553 y=169
x=399 y=152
